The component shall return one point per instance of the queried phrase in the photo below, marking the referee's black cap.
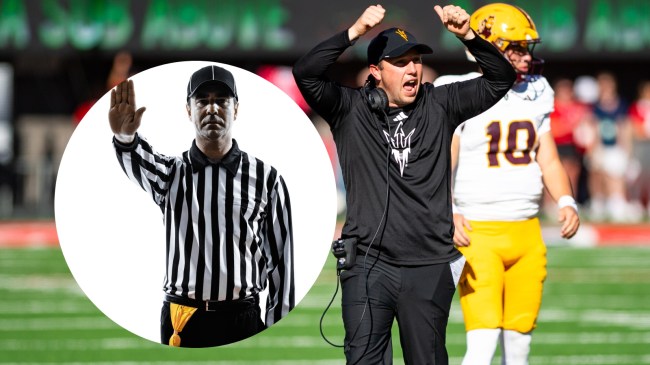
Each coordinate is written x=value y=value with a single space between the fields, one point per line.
x=393 y=42
x=211 y=74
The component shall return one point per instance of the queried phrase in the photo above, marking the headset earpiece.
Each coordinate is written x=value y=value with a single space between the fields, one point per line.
x=377 y=100
x=375 y=97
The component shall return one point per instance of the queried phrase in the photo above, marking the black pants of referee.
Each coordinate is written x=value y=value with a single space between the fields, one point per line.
x=419 y=297
x=221 y=325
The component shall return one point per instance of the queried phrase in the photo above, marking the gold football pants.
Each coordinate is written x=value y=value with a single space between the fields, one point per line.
x=501 y=285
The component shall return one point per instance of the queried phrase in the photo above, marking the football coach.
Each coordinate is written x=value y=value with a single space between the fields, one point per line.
x=227 y=218
x=393 y=138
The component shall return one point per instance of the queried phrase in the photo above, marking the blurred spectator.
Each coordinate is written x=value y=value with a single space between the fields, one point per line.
x=42 y=138
x=585 y=88
x=640 y=116
x=120 y=71
x=610 y=158
x=573 y=130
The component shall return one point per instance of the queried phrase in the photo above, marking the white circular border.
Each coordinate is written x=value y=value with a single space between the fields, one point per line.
x=112 y=233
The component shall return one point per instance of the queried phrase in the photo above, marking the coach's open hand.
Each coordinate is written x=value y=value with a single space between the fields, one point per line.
x=123 y=117
x=456 y=20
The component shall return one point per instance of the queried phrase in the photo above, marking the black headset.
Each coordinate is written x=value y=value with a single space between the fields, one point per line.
x=375 y=97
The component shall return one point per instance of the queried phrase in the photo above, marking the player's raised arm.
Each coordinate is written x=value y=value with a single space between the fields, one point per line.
x=122 y=115
x=370 y=18
x=456 y=20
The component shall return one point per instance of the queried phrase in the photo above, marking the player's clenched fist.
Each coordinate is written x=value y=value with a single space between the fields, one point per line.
x=372 y=16
x=122 y=115
x=456 y=20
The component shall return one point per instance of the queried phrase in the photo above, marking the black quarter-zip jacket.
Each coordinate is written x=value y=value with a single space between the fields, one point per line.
x=417 y=228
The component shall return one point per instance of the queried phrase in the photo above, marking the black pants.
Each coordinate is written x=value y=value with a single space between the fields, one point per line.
x=419 y=297
x=214 y=328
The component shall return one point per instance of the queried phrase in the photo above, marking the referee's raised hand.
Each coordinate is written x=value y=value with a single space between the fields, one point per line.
x=123 y=117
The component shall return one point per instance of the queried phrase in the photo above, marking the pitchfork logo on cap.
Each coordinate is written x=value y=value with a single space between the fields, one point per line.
x=402 y=34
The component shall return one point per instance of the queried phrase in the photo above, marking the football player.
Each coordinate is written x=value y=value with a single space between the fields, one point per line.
x=504 y=158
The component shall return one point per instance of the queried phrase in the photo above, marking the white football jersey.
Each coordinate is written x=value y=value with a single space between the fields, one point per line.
x=498 y=178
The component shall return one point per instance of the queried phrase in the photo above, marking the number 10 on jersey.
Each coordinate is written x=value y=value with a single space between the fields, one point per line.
x=515 y=153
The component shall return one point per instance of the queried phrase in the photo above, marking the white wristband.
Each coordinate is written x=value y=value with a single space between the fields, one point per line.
x=125 y=139
x=455 y=209
x=567 y=201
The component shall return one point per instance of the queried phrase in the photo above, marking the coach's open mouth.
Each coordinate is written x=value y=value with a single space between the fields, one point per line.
x=410 y=87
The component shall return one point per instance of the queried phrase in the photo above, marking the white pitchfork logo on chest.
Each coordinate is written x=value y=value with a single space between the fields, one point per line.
x=400 y=143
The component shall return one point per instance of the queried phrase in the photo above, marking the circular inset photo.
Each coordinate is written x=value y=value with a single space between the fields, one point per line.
x=195 y=204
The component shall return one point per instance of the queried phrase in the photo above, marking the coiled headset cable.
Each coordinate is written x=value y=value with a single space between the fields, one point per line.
x=378 y=102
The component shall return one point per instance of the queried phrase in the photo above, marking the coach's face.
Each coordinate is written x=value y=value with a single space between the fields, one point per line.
x=213 y=109
x=400 y=77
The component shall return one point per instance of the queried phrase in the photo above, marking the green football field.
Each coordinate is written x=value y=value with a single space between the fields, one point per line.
x=596 y=311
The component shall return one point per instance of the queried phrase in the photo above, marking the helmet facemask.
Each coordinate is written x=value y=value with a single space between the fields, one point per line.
x=536 y=65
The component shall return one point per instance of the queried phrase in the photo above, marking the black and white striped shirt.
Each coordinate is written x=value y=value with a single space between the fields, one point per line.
x=228 y=225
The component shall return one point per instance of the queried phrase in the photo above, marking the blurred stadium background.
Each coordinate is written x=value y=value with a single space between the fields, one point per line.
x=58 y=56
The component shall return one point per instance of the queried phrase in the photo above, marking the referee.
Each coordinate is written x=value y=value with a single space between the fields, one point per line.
x=227 y=218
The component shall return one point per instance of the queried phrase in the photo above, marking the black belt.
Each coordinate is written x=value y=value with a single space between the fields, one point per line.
x=215 y=305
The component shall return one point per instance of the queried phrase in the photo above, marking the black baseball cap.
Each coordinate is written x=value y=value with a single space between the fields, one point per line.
x=393 y=42
x=211 y=74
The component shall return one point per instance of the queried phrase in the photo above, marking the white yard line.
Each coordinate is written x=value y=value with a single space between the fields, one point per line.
x=54 y=323
x=604 y=318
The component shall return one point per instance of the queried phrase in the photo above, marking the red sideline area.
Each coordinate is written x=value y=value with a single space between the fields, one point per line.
x=601 y=234
x=43 y=234
x=28 y=234
x=625 y=234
